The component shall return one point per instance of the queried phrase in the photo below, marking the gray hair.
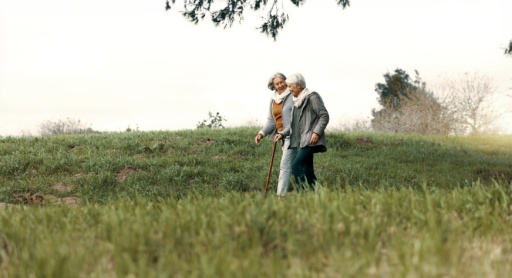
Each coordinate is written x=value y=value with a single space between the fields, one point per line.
x=295 y=79
x=270 y=83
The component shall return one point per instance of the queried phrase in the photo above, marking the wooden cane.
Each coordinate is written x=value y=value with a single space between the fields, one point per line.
x=270 y=169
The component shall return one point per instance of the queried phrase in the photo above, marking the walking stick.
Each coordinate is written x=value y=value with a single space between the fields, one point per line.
x=270 y=169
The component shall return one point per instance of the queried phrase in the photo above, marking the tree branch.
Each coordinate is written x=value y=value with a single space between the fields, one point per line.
x=274 y=21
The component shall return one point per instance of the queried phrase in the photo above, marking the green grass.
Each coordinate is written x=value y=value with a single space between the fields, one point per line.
x=192 y=205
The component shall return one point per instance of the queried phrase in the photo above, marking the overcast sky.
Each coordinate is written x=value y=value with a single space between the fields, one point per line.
x=115 y=64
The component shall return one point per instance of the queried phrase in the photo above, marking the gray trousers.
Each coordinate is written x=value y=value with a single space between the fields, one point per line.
x=285 y=170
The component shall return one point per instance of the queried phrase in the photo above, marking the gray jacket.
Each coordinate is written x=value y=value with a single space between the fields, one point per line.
x=313 y=118
x=270 y=126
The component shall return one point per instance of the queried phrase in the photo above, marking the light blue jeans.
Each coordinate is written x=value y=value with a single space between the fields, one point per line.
x=285 y=168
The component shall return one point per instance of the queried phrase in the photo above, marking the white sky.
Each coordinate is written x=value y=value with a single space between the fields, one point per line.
x=116 y=64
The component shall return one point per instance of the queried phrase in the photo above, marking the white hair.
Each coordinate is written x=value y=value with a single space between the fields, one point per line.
x=295 y=79
x=270 y=83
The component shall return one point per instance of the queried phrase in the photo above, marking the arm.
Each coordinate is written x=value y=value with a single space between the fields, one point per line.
x=270 y=124
x=267 y=128
x=319 y=107
x=283 y=134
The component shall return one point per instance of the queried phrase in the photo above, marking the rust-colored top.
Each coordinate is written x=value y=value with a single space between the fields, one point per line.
x=277 y=110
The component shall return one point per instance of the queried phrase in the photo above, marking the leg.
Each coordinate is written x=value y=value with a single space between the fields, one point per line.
x=301 y=167
x=309 y=171
x=285 y=168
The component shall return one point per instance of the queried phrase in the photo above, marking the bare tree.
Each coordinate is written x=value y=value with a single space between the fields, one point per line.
x=419 y=112
x=353 y=126
x=471 y=100
x=409 y=107
x=424 y=114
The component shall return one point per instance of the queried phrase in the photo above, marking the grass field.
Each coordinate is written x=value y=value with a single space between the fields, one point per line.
x=192 y=204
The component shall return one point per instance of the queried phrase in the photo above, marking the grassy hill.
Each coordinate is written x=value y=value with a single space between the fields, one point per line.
x=191 y=204
x=100 y=167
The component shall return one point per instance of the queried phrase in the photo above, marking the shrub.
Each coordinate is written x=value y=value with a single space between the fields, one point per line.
x=212 y=122
x=67 y=126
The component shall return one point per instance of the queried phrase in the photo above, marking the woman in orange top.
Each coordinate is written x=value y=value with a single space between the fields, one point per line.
x=279 y=117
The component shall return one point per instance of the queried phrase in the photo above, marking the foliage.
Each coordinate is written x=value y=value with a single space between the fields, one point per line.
x=67 y=126
x=274 y=20
x=212 y=122
x=508 y=50
x=408 y=107
x=395 y=88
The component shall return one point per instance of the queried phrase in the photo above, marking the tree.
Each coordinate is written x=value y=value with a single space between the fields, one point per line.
x=395 y=88
x=471 y=99
x=508 y=50
x=408 y=107
x=274 y=20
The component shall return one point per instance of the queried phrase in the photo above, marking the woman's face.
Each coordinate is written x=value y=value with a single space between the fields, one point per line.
x=279 y=85
x=295 y=89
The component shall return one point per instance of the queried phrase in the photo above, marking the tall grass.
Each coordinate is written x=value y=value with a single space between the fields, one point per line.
x=191 y=204
x=461 y=232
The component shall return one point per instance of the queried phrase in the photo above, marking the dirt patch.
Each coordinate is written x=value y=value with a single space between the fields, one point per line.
x=38 y=200
x=79 y=176
x=6 y=205
x=63 y=188
x=71 y=201
x=123 y=174
x=33 y=199
x=495 y=175
x=364 y=141
x=219 y=156
x=74 y=148
x=206 y=141
x=66 y=201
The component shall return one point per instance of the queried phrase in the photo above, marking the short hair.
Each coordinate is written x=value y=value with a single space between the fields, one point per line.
x=296 y=78
x=270 y=84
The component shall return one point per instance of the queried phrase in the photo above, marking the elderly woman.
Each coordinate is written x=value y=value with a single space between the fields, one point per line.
x=279 y=117
x=306 y=130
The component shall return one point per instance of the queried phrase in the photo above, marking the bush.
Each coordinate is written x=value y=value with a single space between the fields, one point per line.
x=213 y=121
x=67 y=126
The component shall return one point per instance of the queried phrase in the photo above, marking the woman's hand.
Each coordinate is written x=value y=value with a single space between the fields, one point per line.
x=257 y=139
x=314 y=139
x=278 y=137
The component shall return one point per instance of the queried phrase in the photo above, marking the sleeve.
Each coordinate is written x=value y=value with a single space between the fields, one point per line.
x=319 y=107
x=286 y=132
x=270 y=124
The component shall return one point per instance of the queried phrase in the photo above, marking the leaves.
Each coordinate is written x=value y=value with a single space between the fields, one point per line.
x=168 y=5
x=229 y=14
x=273 y=24
x=343 y=3
x=213 y=121
x=273 y=21
x=508 y=51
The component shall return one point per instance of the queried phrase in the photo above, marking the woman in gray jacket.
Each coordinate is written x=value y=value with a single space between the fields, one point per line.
x=306 y=130
x=279 y=117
